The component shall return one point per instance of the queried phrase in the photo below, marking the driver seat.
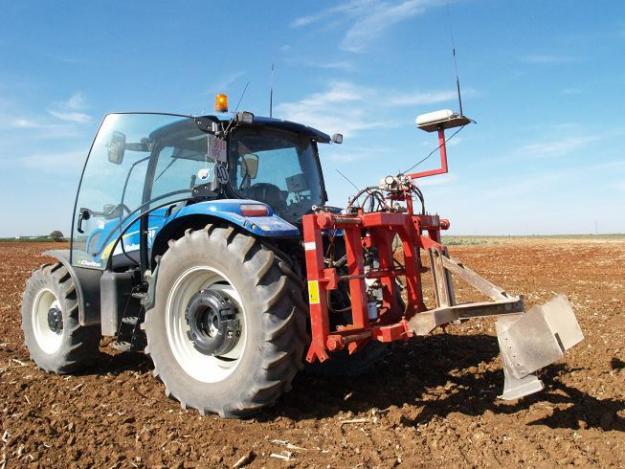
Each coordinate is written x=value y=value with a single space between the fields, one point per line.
x=267 y=193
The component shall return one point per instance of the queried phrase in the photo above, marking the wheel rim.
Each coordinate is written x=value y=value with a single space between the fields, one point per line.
x=201 y=367
x=45 y=304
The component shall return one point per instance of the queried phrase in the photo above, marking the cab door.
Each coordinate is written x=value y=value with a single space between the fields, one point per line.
x=111 y=190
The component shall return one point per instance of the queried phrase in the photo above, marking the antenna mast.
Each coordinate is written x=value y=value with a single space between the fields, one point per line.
x=457 y=82
x=453 y=53
x=271 y=93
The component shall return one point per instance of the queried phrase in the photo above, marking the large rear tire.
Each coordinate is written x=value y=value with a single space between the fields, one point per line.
x=53 y=335
x=228 y=328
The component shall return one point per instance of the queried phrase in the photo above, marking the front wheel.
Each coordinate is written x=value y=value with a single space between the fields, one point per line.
x=56 y=341
x=228 y=329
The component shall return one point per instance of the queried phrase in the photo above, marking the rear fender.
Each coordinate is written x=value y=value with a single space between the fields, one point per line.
x=87 y=282
x=226 y=212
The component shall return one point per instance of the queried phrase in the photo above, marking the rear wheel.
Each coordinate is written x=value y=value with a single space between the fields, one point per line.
x=56 y=341
x=228 y=329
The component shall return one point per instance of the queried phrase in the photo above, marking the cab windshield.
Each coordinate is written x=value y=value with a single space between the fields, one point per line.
x=276 y=167
x=153 y=163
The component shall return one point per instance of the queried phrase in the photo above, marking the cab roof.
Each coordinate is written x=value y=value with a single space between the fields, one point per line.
x=260 y=121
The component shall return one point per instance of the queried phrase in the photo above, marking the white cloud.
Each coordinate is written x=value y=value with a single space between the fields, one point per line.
x=339 y=154
x=378 y=19
x=440 y=180
x=350 y=8
x=23 y=123
x=58 y=162
x=71 y=109
x=367 y=19
x=36 y=128
x=557 y=147
x=349 y=108
x=548 y=59
x=76 y=102
x=343 y=107
x=335 y=65
x=422 y=98
x=77 y=117
x=225 y=82
x=620 y=186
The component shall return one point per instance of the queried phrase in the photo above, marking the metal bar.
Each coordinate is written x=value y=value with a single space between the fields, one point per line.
x=378 y=273
x=442 y=147
x=448 y=280
x=441 y=287
x=383 y=239
x=423 y=323
x=412 y=264
x=480 y=283
x=357 y=287
x=317 y=294
x=486 y=308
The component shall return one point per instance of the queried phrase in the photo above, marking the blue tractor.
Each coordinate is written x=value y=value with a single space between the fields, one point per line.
x=185 y=236
x=207 y=243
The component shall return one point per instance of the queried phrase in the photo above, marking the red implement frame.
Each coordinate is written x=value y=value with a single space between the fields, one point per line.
x=392 y=318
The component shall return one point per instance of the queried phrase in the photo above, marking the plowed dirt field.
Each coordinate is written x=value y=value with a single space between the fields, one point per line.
x=432 y=402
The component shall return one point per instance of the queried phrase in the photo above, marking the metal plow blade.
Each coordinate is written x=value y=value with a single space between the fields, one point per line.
x=534 y=340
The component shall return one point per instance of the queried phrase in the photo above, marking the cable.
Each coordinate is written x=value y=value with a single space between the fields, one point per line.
x=347 y=179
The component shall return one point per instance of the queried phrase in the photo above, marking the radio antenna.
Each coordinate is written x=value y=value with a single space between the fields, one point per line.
x=453 y=53
x=271 y=92
x=247 y=83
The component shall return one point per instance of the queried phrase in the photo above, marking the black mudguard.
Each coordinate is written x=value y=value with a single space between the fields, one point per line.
x=87 y=283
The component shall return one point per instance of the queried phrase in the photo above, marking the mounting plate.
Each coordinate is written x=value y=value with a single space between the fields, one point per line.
x=455 y=120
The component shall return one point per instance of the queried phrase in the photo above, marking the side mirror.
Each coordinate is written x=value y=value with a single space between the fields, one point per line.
x=250 y=165
x=337 y=138
x=116 y=147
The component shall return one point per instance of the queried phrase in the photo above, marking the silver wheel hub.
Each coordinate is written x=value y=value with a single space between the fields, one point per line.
x=47 y=320
x=213 y=325
x=205 y=324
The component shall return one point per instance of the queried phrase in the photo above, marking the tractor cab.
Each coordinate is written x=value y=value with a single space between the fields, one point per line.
x=162 y=164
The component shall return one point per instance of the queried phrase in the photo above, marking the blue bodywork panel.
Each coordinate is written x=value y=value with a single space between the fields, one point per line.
x=101 y=240
x=230 y=209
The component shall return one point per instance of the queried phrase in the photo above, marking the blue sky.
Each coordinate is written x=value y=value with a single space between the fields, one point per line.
x=544 y=80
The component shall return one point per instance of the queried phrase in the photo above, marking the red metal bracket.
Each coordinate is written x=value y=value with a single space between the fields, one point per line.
x=377 y=229
x=442 y=147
